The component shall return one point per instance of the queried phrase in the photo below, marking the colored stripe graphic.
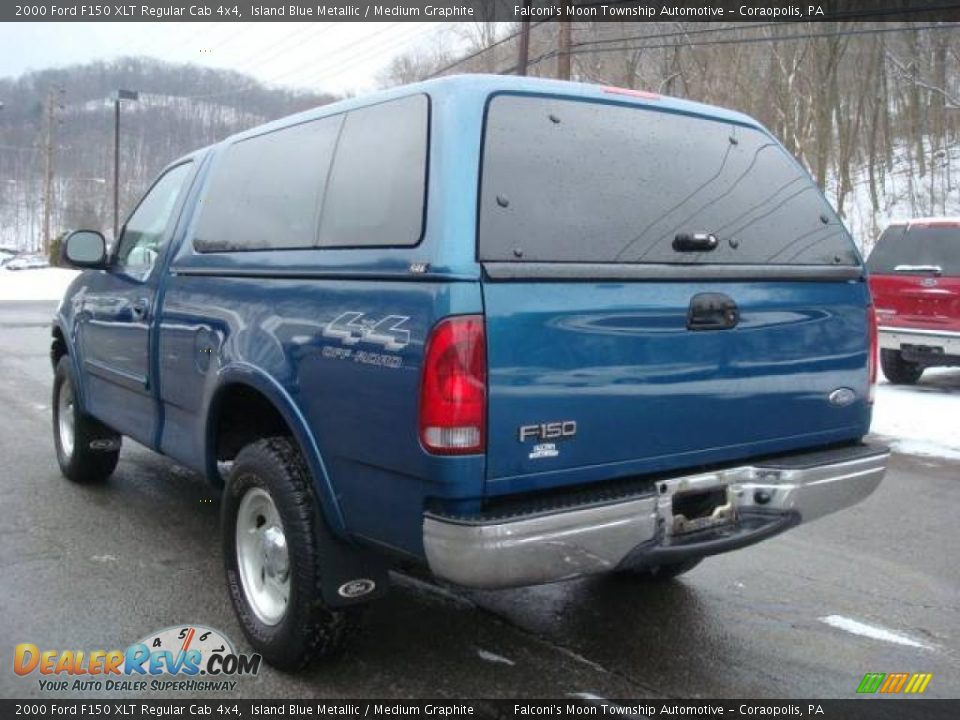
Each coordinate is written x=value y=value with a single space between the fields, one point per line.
x=871 y=682
x=892 y=683
x=918 y=683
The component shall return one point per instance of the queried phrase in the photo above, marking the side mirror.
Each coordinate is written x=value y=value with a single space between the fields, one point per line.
x=85 y=249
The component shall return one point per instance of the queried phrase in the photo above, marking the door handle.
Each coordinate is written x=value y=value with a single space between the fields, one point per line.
x=712 y=311
x=140 y=308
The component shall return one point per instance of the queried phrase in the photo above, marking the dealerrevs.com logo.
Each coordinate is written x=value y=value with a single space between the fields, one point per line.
x=180 y=658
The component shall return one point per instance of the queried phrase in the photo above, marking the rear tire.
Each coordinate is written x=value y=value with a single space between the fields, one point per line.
x=897 y=370
x=272 y=561
x=662 y=573
x=87 y=450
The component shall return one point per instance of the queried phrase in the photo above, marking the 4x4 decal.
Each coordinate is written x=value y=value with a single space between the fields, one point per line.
x=352 y=328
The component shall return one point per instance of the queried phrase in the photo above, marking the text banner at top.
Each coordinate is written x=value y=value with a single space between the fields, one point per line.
x=482 y=10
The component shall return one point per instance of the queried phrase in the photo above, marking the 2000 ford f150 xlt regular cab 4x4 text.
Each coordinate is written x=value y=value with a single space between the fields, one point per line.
x=512 y=331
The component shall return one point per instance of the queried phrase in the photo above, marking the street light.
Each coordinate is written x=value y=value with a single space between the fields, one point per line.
x=119 y=95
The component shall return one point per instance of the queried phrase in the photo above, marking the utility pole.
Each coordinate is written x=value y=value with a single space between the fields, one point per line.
x=563 y=51
x=116 y=166
x=117 y=97
x=524 y=51
x=52 y=102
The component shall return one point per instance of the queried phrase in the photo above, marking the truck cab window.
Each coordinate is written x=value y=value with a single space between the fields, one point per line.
x=148 y=228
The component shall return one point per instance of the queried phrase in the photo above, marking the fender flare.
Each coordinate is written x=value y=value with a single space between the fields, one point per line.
x=241 y=373
x=59 y=323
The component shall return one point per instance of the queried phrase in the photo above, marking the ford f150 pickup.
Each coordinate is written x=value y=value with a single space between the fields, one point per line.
x=508 y=331
x=915 y=278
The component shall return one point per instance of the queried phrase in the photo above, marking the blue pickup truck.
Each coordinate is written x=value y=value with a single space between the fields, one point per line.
x=504 y=330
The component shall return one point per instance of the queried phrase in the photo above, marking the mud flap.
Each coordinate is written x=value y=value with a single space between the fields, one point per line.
x=349 y=573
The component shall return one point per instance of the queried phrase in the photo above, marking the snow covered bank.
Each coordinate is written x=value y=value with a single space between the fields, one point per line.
x=922 y=419
x=36 y=284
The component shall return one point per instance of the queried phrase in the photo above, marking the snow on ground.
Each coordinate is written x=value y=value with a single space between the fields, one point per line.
x=921 y=419
x=35 y=284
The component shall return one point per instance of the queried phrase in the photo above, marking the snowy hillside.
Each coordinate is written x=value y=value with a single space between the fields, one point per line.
x=901 y=192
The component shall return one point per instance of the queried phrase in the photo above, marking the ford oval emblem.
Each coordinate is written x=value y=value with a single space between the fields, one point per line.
x=842 y=397
x=929 y=282
x=356 y=588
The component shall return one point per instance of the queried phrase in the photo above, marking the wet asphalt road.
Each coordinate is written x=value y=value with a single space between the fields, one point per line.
x=100 y=567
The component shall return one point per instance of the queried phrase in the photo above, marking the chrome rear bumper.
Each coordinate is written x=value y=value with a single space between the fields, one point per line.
x=892 y=338
x=762 y=500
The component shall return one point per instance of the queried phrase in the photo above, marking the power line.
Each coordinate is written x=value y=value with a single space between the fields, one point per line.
x=283 y=48
x=245 y=27
x=681 y=33
x=479 y=52
x=192 y=37
x=338 y=53
x=419 y=33
x=256 y=83
x=685 y=33
x=577 y=50
x=195 y=31
x=271 y=54
x=334 y=61
x=858 y=14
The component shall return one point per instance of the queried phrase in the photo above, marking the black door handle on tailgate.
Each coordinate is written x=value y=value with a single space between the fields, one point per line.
x=712 y=311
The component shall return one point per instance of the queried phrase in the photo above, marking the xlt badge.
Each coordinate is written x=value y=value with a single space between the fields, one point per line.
x=559 y=430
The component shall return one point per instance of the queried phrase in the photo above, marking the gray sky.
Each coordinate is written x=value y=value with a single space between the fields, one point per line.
x=337 y=57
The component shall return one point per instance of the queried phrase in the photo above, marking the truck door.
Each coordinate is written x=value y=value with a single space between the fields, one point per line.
x=117 y=312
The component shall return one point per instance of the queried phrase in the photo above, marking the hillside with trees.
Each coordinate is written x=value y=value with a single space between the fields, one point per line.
x=871 y=109
x=180 y=108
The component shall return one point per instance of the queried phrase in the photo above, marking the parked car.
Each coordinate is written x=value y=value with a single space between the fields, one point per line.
x=915 y=279
x=27 y=262
x=506 y=330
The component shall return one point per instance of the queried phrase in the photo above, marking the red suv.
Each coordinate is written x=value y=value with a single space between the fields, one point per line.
x=915 y=279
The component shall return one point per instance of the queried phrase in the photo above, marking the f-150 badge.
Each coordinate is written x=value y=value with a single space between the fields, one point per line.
x=560 y=430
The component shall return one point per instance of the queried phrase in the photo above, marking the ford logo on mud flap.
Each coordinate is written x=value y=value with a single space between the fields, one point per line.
x=105 y=444
x=842 y=397
x=356 y=588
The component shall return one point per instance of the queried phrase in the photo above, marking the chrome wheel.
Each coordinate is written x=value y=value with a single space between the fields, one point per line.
x=262 y=556
x=66 y=419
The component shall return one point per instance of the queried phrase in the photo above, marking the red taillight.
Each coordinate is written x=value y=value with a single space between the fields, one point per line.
x=453 y=387
x=874 y=351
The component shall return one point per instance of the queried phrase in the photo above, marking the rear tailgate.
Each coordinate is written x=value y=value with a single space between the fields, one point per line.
x=611 y=352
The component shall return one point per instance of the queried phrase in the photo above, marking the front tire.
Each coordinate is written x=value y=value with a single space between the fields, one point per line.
x=897 y=370
x=87 y=450
x=272 y=561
